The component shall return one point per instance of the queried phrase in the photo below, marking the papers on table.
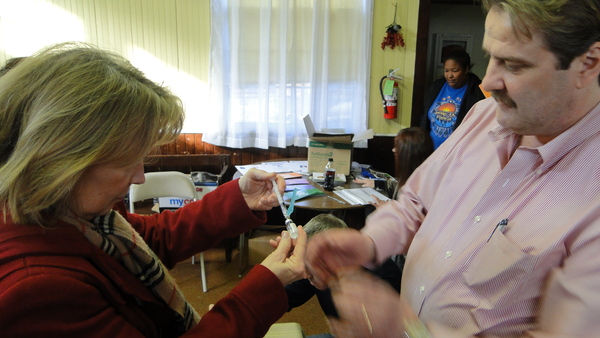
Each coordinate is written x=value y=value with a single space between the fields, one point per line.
x=297 y=183
x=277 y=167
x=290 y=176
x=360 y=196
x=300 y=194
x=299 y=187
x=292 y=181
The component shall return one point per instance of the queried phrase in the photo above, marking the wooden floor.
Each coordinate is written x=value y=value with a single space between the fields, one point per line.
x=223 y=276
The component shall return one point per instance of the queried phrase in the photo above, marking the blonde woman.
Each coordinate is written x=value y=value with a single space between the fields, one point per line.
x=76 y=123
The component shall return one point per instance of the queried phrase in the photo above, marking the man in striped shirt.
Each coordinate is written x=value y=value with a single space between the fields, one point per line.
x=501 y=225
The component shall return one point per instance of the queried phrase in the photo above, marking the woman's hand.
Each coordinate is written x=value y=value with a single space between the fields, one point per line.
x=257 y=189
x=332 y=250
x=287 y=261
x=366 y=183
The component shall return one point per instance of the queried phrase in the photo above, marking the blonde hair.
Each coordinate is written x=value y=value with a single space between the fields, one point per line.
x=66 y=108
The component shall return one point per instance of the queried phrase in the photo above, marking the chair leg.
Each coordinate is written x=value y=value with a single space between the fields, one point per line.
x=243 y=247
x=230 y=245
x=203 y=272
x=194 y=259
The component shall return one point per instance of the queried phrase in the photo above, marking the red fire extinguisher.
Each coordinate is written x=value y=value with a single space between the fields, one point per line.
x=389 y=95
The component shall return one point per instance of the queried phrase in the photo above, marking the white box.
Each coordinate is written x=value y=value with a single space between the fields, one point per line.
x=202 y=190
x=173 y=202
x=178 y=202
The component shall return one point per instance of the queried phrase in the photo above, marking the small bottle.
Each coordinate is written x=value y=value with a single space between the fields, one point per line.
x=329 y=176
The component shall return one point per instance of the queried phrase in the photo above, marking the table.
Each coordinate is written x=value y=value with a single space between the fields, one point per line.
x=330 y=201
x=308 y=207
x=305 y=209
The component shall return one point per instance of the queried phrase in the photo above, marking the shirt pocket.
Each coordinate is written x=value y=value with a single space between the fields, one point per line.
x=499 y=271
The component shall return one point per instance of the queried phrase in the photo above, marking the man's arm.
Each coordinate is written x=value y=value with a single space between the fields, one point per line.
x=299 y=292
x=570 y=304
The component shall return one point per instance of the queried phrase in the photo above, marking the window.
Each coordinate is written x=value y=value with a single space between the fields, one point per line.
x=273 y=62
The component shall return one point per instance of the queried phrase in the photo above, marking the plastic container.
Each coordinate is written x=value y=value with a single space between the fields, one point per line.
x=329 y=176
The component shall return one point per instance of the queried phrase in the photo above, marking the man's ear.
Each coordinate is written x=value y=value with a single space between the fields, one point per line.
x=590 y=65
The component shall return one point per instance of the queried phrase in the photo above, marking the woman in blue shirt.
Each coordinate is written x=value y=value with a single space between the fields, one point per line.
x=449 y=99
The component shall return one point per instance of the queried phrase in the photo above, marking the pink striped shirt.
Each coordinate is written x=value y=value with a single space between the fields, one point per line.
x=541 y=273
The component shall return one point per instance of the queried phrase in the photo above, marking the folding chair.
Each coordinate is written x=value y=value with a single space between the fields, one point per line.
x=166 y=184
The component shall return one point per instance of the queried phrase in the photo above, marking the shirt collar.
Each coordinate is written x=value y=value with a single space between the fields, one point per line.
x=554 y=150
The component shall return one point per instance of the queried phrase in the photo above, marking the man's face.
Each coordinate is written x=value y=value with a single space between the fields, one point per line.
x=534 y=97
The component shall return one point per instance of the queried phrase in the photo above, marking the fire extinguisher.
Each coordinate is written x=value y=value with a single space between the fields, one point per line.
x=389 y=98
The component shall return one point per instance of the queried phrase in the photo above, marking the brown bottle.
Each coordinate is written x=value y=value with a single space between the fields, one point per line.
x=329 y=176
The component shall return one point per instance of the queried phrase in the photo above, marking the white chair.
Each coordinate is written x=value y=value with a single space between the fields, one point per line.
x=285 y=330
x=166 y=184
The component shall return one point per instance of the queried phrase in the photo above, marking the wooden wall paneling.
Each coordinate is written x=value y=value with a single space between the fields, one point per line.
x=275 y=153
x=169 y=149
x=199 y=145
x=246 y=157
x=255 y=154
x=298 y=152
x=222 y=150
x=266 y=154
x=190 y=143
x=180 y=145
x=236 y=157
x=378 y=154
x=209 y=148
x=259 y=155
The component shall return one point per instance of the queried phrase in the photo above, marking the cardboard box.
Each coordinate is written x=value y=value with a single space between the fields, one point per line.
x=322 y=146
x=321 y=149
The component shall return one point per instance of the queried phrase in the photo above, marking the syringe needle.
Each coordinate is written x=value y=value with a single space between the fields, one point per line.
x=289 y=224
x=279 y=198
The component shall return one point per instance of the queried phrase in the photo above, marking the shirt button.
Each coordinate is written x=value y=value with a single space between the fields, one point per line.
x=422 y=289
x=476 y=219
x=448 y=254
x=539 y=172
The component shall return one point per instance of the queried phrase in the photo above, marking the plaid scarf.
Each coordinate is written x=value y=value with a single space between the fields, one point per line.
x=116 y=237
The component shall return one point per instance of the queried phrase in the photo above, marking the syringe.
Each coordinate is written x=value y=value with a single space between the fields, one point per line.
x=289 y=224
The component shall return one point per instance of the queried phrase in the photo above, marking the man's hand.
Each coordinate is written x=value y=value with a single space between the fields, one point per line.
x=332 y=250
x=369 y=307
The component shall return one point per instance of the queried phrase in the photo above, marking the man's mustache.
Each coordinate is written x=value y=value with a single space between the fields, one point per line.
x=502 y=97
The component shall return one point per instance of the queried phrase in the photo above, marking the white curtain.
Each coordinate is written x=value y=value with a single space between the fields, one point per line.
x=274 y=61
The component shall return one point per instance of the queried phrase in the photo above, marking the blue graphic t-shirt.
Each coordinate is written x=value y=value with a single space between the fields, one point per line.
x=444 y=112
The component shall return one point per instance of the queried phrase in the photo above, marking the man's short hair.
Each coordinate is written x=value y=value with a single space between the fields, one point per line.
x=323 y=222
